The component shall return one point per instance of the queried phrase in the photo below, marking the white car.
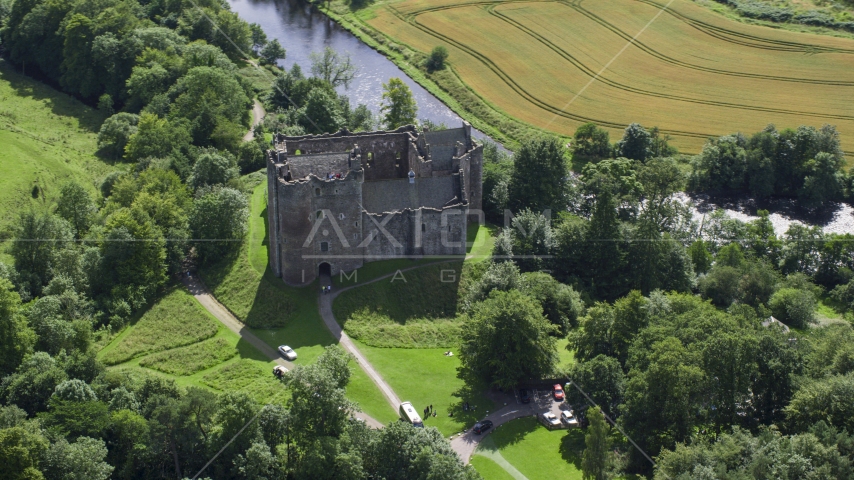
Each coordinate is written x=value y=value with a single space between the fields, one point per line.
x=568 y=418
x=287 y=352
x=551 y=419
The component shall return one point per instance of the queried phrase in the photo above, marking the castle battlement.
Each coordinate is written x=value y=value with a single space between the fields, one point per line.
x=336 y=201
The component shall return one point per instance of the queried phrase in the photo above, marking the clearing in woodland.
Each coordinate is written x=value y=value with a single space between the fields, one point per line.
x=691 y=72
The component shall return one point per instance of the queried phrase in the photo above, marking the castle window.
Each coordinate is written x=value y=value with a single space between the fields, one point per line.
x=355 y=236
x=324 y=246
x=317 y=191
x=423 y=227
x=449 y=228
x=341 y=216
x=355 y=224
x=319 y=214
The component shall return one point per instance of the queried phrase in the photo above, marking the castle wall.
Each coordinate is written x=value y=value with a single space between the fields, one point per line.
x=384 y=154
x=313 y=220
x=320 y=221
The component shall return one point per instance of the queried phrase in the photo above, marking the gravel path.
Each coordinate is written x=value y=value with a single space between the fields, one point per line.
x=218 y=310
x=257 y=115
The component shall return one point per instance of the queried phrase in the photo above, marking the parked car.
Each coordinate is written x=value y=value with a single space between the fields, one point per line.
x=568 y=418
x=287 y=352
x=550 y=420
x=279 y=371
x=482 y=426
x=558 y=392
x=524 y=396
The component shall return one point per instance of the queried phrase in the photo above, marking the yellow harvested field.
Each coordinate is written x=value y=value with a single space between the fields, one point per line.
x=687 y=70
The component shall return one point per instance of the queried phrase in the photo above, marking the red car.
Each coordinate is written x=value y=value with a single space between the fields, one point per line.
x=558 y=393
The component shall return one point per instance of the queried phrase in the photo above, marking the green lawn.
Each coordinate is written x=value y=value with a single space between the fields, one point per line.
x=480 y=242
x=424 y=376
x=533 y=450
x=192 y=358
x=46 y=139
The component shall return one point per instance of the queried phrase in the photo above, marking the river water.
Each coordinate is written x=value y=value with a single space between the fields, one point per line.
x=302 y=29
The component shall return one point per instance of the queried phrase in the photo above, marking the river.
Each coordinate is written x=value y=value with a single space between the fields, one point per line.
x=302 y=29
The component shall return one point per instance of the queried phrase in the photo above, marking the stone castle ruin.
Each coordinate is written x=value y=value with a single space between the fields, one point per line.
x=336 y=201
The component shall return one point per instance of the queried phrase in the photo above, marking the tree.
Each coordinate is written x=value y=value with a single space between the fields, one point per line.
x=399 y=107
x=794 y=307
x=561 y=304
x=116 y=132
x=33 y=382
x=38 y=238
x=721 y=165
x=76 y=207
x=322 y=113
x=16 y=337
x=603 y=252
x=212 y=100
x=251 y=156
x=636 y=143
x=830 y=399
x=661 y=399
x=540 y=173
x=532 y=240
x=436 y=60
x=591 y=141
x=602 y=378
x=824 y=181
x=75 y=390
x=155 y=137
x=506 y=339
x=318 y=405
x=333 y=67
x=81 y=460
x=220 y=216
x=273 y=52
x=213 y=168
x=259 y=38
x=134 y=255
x=595 y=459
x=21 y=450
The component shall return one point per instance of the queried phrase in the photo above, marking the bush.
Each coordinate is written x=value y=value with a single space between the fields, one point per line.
x=436 y=60
x=377 y=330
x=793 y=307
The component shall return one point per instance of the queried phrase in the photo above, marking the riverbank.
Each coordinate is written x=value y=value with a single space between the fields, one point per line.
x=445 y=84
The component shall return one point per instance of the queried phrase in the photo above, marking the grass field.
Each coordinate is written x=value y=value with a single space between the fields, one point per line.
x=46 y=139
x=424 y=376
x=533 y=450
x=692 y=72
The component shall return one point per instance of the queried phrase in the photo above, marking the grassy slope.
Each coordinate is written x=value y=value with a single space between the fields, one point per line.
x=171 y=314
x=247 y=287
x=46 y=138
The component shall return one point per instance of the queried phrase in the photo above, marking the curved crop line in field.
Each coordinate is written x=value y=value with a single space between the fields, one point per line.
x=720 y=32
x=412 y=19
x=524 y=93
x=586 y=70
x=702 y=27
x=575 y=5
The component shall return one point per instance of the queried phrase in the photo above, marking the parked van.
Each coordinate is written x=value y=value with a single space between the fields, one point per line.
x=408 y=413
